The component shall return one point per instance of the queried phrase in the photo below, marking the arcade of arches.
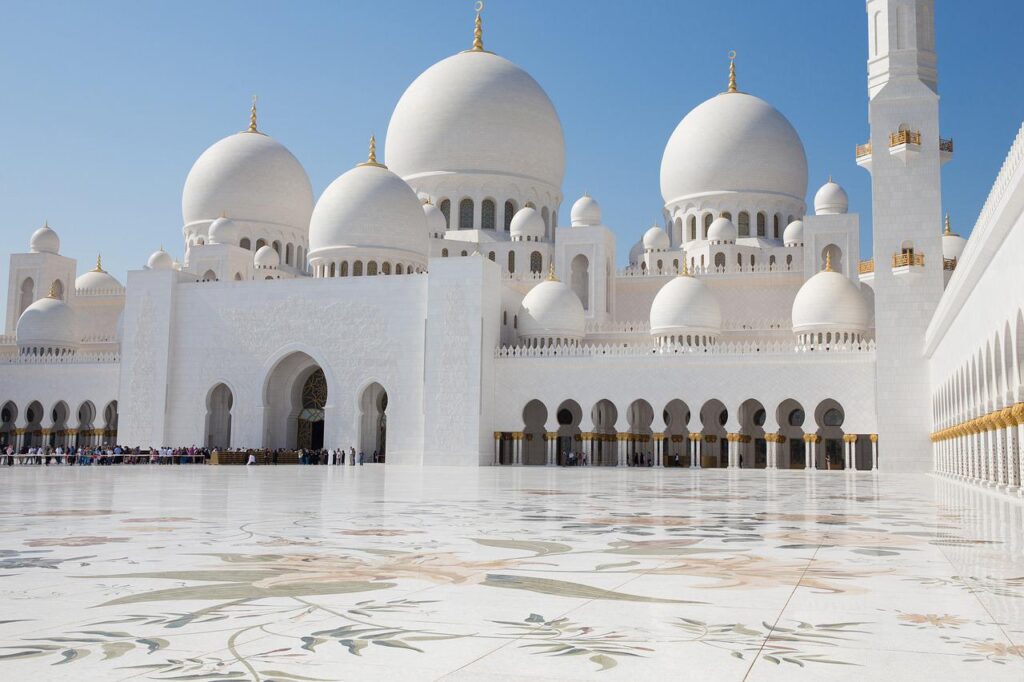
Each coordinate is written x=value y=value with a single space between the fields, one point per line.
x=33 y=425
x=812 y=440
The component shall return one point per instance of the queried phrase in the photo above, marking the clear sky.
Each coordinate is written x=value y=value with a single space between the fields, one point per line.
x=105 y=105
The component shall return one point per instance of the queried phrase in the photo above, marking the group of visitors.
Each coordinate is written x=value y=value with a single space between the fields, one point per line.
x=102 y=455
x=324 y=456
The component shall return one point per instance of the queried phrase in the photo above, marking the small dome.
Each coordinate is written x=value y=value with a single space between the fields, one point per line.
x=830 y=199
x=527 y=223
x=655 y=239
x=636 y=252
x=369 y=207
x=44 y=240
x=586 y=211
x=830 y=302
x=952 y=244
x=97 y=282
x=436 y=224
x=224 y=231
x=48 y=324
x=551 y=311
x=722 y=231
x=685 y=306
x=793 y=235
x=160 y=260
x=266 y=258
x=250 y=177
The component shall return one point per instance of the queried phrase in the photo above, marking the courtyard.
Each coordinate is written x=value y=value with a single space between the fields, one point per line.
x=505 y=573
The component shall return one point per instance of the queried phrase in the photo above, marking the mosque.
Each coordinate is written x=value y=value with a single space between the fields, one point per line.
x=429 y=306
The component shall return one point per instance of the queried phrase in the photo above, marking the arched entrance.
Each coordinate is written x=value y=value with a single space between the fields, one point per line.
x=829 y=418
x=606 y=444
x=8 y=415
x=640 y=416
x=754 y=449
x=294 y=401
x=535 y=417
x=714 y=451
x=59 y=416
x=790 y=417
x=34 y=425
x=110 y=422
x=676 y=417
x=569 y=416
x=373 y=424
x=86 y=417
x=218 y=417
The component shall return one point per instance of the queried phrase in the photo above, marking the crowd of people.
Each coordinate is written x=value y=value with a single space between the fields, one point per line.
x=104 y=455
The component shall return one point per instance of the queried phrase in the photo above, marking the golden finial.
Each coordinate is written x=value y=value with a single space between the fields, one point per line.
x=830 y=177
x=478 y=31
x=828 y=261
x=252 y=116
x=99 y=264
x=551 y=272
x=53 y=290
x=948 y=230
x=732 y=71
x=684 y=272
x=428 y=202
x=371 y=158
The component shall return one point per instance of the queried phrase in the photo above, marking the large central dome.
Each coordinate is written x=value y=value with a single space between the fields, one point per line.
x=733 y=142
x=476 y=112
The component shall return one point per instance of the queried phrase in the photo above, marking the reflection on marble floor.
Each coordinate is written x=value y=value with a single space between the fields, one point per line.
x=316 y=573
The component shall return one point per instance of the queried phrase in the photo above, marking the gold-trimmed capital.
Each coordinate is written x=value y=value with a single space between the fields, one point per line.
x=873 y=437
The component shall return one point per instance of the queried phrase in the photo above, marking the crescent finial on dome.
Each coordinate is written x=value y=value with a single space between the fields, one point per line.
x=732 y=71
x=53 y=290
x=685 y=272
x=99 y=264
x=828 y=261
x=371 y=157
x=252 y=116
x=948 y=231
x=478 y=31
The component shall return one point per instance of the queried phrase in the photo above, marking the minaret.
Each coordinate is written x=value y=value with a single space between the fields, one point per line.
x=906 y=199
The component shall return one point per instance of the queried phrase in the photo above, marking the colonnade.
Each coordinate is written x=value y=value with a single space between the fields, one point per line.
x=988 y=450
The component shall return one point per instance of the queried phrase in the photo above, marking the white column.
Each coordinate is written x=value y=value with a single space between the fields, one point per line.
x=1019 y=418
x=497 y=448
x=1012 y=465
x=874 y=452
x=517 y=455
x=808 y=453
x=659 y=449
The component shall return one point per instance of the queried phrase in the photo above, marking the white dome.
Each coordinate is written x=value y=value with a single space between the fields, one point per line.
x=551 y=310
x=793 y=235
x=734 y=142
x=250 y=177
x=97 y=282
x=685 y=305
x=476 y=112
x=160 y=260
x=830 y=302
x=49 y=323
x=224 y=231
x=436 y=224
x=655 y=239
x=722 y=230
x=831 y=198
x=266 y=257
x=44 y=240
x=636 y=252
x=586 y=211
x=527 y=223
x=953 y=246
x=369 y=207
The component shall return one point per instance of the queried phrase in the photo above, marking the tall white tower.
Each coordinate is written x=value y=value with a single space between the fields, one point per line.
x=904 y=160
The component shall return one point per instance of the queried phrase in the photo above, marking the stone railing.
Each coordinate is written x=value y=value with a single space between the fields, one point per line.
x=75 y=359
x=866 y=266
x=900 y=260
x=863 y=150
x=730 y=269
x=620 y=350
x=112 y=291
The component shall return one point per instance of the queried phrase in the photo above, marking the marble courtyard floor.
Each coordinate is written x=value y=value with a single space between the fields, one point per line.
x=374 y=573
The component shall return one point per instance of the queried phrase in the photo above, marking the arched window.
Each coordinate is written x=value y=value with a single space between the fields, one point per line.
x=510 y=210
x=771 y=262
x=464 y=253
x=693 y=227
x=344 y=268
x=789 y=261
x=536 y=262
x=331 y=270
x=357 y=269
x=762 y=221
x=719 y=260
x=707 y=224
x=511 y=262
x=209 y=276
x=490 y=256
x=727 y=215
x=385 y=269
x=288 y=252
x=260 y=243
x=547 y=223
x=277 y=247
x=580 y=278
x=466 y=214
x=791 y=219
x=504 y=318
x=444 y=253
x=398 y=269
x=775 y=226
x=487 y=214
x=58 y=289
x=744 y=224
x=751 y=262
x=371 y=268
x=739 y=259
x=446 y=209
x=245 y=243
x=677 y=231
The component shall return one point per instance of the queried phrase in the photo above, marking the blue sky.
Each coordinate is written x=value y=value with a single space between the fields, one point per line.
x=105 y=105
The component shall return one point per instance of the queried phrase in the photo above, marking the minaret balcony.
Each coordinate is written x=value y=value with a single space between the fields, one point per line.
x=907 y=262
x=905 y=144
x=945 y=150
x=863 y=155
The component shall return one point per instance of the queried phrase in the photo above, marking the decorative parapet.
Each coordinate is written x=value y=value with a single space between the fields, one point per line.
x=905 y=137
x=75 y=359
x=866 y=266
x=626 y=350
x=732 y=269
x=949 y=263
x=862 y=150
x=95 y=293
x=900 y=260
x=946 y=145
